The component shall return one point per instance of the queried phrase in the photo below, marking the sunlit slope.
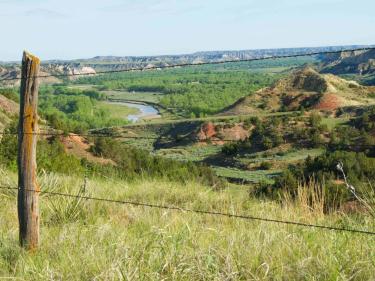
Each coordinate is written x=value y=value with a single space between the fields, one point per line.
x=305 y=89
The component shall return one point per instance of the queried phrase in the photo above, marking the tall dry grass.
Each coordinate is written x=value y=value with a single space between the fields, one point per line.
x=119 y=242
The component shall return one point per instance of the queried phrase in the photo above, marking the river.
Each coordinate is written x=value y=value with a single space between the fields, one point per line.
x=146 y=111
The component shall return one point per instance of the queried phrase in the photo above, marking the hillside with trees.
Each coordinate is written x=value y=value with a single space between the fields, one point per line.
x=237 y=148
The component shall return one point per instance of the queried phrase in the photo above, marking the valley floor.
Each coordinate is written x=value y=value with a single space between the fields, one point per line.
x=106 y=241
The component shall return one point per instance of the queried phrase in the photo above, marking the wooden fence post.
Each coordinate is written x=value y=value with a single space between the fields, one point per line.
x=28 y=192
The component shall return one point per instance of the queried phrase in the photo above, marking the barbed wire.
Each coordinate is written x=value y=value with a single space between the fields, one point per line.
x=178 y=139
x=197 y=211
x=192 y=64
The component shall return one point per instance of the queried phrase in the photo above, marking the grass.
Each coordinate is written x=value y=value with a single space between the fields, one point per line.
x=4 y=119
x=118 y=110
x=216 y=118
x=82 y=87
x=136 y=96
x=281 y=159
x=190 y=153
x=332 y=122
x=119 y=242
x=251 y=176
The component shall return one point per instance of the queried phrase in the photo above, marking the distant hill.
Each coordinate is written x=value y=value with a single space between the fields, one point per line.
x=115 y=63
x=362 y=63
x=304 y=88
x=14 y=71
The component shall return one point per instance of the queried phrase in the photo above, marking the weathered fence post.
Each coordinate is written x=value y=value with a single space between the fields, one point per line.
x=28 y=193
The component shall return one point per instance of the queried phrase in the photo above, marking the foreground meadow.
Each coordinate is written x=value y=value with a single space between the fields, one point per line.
x=90 y=240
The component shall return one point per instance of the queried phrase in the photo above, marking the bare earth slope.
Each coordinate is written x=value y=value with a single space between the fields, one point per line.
x=14 y=71
x=8 y=108
x=351 y=63
x=304 y=88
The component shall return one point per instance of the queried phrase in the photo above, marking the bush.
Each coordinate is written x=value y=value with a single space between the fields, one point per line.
x=265 y=166
x=9 y=146
x=51 y=155
x=135 y=162
x=75 y=110
x=230 y=149
x=358 y=168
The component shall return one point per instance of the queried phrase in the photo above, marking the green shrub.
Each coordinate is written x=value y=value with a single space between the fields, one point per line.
x=265 y=165
x=358 y=168
x=134 y=162
x=230 y=148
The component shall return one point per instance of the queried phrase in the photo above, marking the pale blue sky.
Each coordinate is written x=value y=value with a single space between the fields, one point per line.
x=68 y=29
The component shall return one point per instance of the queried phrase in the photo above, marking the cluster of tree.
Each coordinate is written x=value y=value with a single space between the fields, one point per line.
x=131 y=163
x=357 y=134
x=312 y=133
x=272 y=132
x=267 y=133
x=91 y=93
x=358 y=168
x=136 y=162
x=51 y=155
x=194 y=92
x=74 y=110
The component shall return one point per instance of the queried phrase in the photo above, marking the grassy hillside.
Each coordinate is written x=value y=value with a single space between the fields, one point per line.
x=279 y=158
x=105 y=241
x=8 y=106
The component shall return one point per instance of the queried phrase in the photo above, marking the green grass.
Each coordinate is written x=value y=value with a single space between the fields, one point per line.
x=121 y=242
x=190 y=153
x=82 y=87
x=135 y=96
x=281 y=158
x=216 y=118
x=332 y=122
x=251 y=176
x=117 y=110
x=4 y=119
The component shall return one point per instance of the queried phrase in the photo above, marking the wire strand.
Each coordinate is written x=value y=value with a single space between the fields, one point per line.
x=192 y=64
x=183 y=209
x=180 y=139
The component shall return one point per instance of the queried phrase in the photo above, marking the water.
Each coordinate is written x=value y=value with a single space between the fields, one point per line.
x=146 y=111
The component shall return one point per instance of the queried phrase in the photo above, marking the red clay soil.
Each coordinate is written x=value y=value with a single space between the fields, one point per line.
x=328 y=102
x=207 y=131
x=79 y=146
x=236 y=133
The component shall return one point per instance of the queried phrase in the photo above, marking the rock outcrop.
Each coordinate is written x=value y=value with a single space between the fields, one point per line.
x=360 y=62
x=10 y=72
x=218 y=133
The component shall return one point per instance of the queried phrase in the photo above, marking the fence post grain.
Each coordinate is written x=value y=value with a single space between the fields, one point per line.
x=28 y=189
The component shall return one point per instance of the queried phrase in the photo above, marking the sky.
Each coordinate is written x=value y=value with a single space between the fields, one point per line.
x=71 y=29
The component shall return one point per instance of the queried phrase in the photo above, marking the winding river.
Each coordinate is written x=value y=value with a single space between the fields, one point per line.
x=146 y=111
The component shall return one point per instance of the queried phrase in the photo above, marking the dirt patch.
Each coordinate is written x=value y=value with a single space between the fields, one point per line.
x=207 y=131
x=328 y=102
x=79 y=147
x=236 y=133
x=217 y=133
